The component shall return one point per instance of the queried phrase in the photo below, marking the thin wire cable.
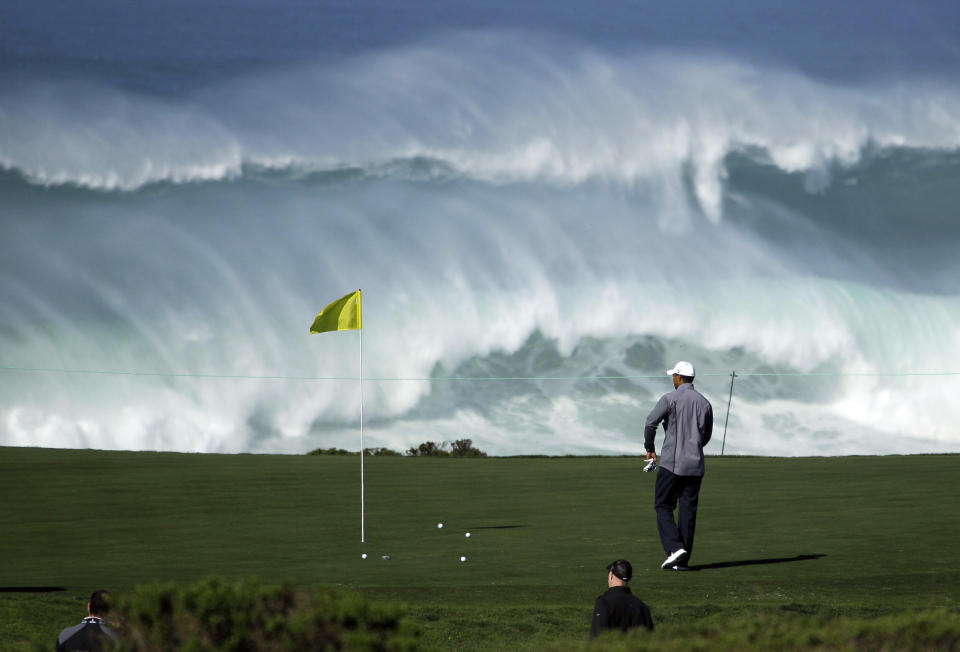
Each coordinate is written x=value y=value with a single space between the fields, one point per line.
x=163 y=374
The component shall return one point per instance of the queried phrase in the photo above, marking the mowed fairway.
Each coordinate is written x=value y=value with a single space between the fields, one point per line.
x=837 y=536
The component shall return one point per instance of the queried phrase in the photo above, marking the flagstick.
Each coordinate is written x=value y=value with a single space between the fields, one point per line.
x=362 y=519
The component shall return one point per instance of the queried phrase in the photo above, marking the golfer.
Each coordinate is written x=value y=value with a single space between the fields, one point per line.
x=687 y=419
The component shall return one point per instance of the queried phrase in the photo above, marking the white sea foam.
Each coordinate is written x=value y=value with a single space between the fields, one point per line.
x=817 y=328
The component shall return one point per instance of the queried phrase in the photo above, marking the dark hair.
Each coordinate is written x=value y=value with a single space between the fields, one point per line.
x=621 y=569
x=686 y=379
x=100 y=603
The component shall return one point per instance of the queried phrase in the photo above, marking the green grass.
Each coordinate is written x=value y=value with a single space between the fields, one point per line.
x=856 y=537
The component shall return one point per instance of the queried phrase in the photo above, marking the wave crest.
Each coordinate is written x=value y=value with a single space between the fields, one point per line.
x=496 y=108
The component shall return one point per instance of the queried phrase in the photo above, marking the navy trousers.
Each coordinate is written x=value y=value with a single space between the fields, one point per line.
x=673 y=489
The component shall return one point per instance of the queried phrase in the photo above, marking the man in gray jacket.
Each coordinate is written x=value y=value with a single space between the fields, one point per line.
x=687 y=419
x=92 y=634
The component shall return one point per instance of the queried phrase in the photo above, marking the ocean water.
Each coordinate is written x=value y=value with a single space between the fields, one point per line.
x=545 y=206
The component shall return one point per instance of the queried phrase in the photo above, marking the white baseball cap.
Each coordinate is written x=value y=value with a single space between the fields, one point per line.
x=682 y=368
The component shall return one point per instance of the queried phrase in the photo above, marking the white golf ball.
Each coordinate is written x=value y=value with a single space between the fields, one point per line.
x=467 y=535
x=463 y=559
x=439 y=525
x=363 y=556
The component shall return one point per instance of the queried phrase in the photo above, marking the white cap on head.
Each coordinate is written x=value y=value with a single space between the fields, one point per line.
x=682 y=368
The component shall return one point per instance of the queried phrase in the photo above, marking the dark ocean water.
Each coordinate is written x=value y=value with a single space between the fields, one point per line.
x=557 y=201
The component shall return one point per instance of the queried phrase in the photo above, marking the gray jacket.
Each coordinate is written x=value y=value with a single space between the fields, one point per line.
x=91 y=635
x=688 y=423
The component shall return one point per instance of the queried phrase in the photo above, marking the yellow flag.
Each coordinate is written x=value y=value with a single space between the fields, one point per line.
x=342 y=315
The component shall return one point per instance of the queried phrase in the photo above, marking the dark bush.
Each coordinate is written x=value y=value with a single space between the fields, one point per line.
x=249 y=617
x=331 y=451
x=428 y=449
x=464 y=448
x=340 y=451
x=459 y=448
x=381 y=452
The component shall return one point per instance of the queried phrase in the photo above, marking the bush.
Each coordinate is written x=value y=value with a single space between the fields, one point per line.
x=331 y=451
x=459 y=448
x=249 y=617
x=787 y=631
x=464 y=448
x=428 y=449
x=381 y=451
x=340 y=451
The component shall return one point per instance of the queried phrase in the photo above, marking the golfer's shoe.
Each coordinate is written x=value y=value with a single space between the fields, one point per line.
x=672 y=560
x=651 y=465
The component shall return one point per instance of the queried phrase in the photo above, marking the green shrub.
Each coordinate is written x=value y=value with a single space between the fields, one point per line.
x=465 y=448
x=428 y=449
x=341 y=451
x=459 y=448
x=381 y=451
x=787 y=631
x=331 y=451
x=249 y=617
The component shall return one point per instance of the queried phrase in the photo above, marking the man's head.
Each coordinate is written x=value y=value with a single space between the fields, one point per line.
x=99 y=604
x=619 y=573
x=682 y=372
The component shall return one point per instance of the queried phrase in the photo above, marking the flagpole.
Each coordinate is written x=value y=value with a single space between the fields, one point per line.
x=362 y=498
x=338 y=316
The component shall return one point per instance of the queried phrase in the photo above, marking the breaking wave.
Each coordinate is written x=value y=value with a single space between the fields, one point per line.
x=513 y=208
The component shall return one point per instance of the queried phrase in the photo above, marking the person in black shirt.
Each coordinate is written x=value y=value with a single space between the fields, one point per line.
x=618 y=608
x=92 y=634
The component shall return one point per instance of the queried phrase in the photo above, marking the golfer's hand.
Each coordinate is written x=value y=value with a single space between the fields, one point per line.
x=652 y=455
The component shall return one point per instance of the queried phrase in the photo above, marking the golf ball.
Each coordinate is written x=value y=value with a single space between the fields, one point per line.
x=467 y=535
x=439 y=525
x=363 y=556
x=385 y=557
x=463 y=559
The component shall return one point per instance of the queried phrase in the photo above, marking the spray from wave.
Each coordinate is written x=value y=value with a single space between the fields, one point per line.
x=511 y=209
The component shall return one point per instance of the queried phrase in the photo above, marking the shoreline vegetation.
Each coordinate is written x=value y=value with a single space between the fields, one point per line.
x=443 y=449
x=458 y=448
x=826 y=553
x=214 y=614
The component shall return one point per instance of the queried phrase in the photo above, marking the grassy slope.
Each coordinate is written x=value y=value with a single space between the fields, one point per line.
x=829 y=536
